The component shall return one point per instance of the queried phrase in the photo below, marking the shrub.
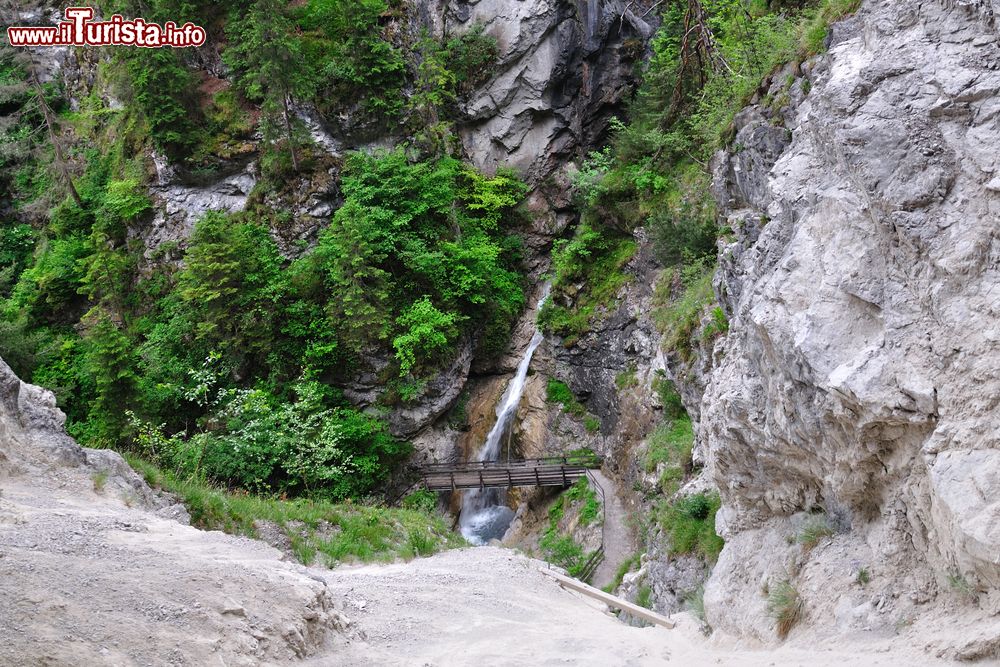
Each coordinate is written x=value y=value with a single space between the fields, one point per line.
x=784 y=606
x=627 y=378
x=690 y=524
x=422 y=500
x=673 y=406
x=678 y=319
x=559 y=392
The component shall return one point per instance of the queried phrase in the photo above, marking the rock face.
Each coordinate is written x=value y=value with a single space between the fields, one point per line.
x=97 y=569
x=862 y=367
x=564 y=69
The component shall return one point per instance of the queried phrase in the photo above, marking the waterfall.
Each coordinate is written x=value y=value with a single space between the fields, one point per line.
x=484 y=515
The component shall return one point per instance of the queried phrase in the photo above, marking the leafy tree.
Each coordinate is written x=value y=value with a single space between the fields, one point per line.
x=352 y=62
x=426 y=332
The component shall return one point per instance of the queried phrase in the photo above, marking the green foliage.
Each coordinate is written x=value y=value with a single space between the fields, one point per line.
x=427 y=332
x=338 y=532
x=270 y=446
x=627 y=378
x=594 y=258
x=582 y=495
x=557 y=391
x=690 y=524
x=644 y=598
x=680 y=318
x=558 y=545
x=421 y=499
x=671 y=444
x=271 y=69
x=591 y=423
x=417 y=255
x=673 y=406
x=784 y=606
x=468 y=57
x=349 y=58
x=17 y=240
x=816 y=26
x=813 y=530
x=864 y=576
x=624 y=568
x=165 y=92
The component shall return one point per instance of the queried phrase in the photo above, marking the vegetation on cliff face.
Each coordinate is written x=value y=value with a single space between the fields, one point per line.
x=709 y=58
x=224 y=360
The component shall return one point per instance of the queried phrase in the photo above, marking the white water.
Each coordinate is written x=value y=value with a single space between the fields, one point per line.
x=484 y=515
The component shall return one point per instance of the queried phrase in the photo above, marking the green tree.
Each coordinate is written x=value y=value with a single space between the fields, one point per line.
x=269 y=66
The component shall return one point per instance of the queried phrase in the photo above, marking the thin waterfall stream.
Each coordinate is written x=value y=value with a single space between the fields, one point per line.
x=485 y=516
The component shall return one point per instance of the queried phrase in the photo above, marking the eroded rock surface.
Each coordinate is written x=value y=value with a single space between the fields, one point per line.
x=862 y=368
x=96 y=569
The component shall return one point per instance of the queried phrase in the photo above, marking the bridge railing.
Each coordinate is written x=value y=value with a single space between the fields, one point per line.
x=595 y=559
x=588 y=460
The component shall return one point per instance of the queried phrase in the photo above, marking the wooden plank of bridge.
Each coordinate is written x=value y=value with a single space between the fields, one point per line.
x=610 y=600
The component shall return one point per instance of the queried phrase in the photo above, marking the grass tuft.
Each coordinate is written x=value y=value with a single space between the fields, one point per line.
x=690 y=524
x=784 y=605
x=100 y=479
x=812 y=531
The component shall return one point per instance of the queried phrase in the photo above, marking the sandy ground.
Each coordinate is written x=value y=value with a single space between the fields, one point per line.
x=491 y=606
x=87 y=580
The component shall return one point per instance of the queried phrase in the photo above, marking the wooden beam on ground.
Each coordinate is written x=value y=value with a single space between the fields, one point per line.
x=610 y=600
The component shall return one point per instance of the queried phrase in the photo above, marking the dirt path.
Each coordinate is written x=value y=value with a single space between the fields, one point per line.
x=492 y=606
x=618 y=544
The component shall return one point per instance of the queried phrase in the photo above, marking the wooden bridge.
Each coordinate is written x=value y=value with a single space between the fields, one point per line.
x=553 y=471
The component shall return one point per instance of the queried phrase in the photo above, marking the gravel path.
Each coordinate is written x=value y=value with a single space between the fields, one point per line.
x=618 y=544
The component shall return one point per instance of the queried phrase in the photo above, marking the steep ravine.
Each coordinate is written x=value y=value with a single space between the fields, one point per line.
x=855 y=389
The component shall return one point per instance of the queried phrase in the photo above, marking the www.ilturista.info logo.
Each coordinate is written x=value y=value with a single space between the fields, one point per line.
x=79 y=30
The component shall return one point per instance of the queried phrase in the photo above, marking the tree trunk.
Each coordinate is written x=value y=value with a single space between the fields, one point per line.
x=46 y=112
x=288 y=135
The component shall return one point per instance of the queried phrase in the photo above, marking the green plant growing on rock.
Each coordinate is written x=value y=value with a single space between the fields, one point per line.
x=644 y=598
x=784 y=605
x=627 y=378
x=689 y=522
x=960 y=585
x=100 y=480
x=812 y=531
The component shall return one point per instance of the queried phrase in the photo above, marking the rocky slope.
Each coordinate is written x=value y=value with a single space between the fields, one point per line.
x=96 y=569
x=860 y=375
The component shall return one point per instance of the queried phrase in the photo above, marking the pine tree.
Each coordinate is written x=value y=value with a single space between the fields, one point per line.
x=269 y=66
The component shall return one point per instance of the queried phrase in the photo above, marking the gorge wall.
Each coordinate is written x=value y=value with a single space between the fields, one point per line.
x=860 y=375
